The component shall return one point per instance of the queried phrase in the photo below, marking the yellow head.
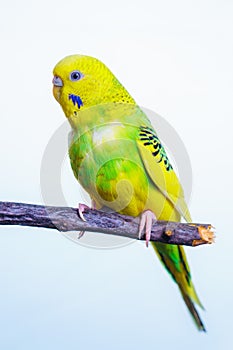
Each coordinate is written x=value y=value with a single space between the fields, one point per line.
x=82 y=81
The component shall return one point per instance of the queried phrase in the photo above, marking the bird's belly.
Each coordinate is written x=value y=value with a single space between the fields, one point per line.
x=124 y=186
x=112 y=172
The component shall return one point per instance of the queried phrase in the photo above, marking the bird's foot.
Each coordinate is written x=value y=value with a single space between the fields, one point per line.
x=146 y=222
x=81 y=209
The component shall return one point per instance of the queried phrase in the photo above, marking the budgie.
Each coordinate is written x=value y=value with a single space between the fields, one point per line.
x=119 y=160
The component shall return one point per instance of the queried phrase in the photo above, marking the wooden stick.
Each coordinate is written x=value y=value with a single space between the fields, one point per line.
x=67 y=219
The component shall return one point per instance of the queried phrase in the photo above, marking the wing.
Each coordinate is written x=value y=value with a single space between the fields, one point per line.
x=160 y=170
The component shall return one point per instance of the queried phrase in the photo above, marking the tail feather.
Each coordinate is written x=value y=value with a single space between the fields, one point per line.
x=189 y=289
x=193 y=312
x=174 y=259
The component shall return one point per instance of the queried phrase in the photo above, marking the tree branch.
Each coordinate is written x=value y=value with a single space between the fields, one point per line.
x=66 y=219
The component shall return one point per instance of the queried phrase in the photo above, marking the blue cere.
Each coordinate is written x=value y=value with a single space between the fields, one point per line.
x=76 y=99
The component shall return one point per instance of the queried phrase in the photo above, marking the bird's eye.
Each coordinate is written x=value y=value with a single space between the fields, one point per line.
x=75 y=75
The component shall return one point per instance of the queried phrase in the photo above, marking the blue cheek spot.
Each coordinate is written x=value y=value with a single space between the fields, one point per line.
x=76 y=100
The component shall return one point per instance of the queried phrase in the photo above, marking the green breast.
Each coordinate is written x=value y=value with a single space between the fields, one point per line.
x=103 y=149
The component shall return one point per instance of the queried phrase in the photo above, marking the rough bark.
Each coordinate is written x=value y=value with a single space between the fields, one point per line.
x=67 y=219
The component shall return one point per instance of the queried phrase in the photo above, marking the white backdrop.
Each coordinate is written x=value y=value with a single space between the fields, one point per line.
x=174 y=58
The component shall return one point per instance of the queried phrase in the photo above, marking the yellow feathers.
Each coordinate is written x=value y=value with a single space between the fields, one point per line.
x=96 y=85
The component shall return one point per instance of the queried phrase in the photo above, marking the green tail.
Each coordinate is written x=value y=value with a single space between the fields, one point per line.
x=174 y=259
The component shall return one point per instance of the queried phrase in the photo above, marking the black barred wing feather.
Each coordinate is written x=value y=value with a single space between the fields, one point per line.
x=160 y=169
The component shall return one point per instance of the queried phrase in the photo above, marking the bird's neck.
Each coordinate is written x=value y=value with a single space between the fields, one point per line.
x=112 y=96
x=118 y=94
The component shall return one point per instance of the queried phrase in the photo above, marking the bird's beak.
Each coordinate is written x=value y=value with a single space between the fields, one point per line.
x=57 y=81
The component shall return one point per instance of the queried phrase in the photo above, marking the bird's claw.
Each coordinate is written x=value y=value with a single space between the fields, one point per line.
x=81 y=209
x=146 y=222
x=80 y=234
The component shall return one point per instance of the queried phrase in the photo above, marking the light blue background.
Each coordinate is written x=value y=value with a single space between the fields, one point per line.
x=175 y=57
